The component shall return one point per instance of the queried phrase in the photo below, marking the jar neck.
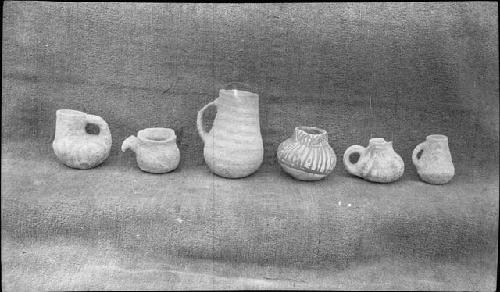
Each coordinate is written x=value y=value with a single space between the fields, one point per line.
x=238 y=98
x=311 y=136
x=436 y=139
x=379 y=144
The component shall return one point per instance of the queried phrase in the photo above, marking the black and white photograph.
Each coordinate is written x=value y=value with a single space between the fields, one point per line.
x=164 y=146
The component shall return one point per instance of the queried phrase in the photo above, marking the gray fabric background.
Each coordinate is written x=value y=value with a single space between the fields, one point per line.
x=395 y=70
x=427 y=68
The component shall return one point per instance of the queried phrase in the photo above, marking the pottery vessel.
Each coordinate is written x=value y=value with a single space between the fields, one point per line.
x=434 y=165
x=377 y=163
x=75 y=147
x=155 y=149
x=233 y=147
x=307 y=154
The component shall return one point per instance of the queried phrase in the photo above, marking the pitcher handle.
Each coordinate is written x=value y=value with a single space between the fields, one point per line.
x=101 y=123
x=352 y=167
x=418 y=148
x=203 y=134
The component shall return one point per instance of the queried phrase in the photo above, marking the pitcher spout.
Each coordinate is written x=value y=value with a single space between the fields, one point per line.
x=130 y=143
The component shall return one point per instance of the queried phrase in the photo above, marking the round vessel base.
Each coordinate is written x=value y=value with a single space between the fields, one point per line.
x=436 y=178
x=300 y=174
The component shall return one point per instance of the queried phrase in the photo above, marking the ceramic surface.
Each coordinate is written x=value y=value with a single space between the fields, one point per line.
x=75 y=147
x=233 y=147
x=434 y=165
x=377 y=163
x=155 y=149
x=307 y=154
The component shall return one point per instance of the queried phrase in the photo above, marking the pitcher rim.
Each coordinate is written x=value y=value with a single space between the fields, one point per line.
x=249 y=93
x=69 y=112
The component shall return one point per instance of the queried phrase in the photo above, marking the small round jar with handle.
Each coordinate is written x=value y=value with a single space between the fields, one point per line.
x=432 y=158
x=377 y=163
x=76 y=147
x=307 y=154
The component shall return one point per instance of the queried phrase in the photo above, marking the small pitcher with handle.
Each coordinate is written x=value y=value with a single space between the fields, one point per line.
x=74 y=146
x=434 y=164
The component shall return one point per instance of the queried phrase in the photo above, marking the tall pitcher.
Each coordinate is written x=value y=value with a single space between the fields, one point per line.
x=233 y=147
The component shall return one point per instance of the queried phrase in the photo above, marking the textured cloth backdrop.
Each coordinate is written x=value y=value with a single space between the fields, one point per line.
x=398 y=71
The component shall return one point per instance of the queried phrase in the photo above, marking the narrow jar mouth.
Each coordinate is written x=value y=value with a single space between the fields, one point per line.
x=69 y=112
x=437 y=137
x=157 y=135
x=311 y=130
x=379 y=142
x=311 y=136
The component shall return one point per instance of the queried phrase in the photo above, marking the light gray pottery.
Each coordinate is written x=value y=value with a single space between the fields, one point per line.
x=75 y=147
x=434 y=165
x=155 y=149
x=377 y=163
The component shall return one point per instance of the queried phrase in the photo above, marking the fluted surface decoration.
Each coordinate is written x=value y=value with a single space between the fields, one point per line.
x=307 y=152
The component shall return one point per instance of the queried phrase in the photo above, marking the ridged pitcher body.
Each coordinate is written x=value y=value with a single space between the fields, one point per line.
x=74 y=146
x=378 y=162
x=307 y=154
x=434 y=165
x=155 y=149
x=233 y=147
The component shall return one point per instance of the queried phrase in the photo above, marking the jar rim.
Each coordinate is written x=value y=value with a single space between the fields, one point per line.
x=437 y=137
x=311 y=130
x=157 y=135
x=379 y=142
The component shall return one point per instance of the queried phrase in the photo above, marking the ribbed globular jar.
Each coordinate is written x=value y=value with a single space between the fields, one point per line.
x=307 y=154
x=233 y=147
x=74 y=146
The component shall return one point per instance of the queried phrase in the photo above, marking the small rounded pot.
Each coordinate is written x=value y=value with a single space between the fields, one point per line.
x=377 y=163
x=434 y=165
x=307 y=155
x=155 y=149
x=74 y=146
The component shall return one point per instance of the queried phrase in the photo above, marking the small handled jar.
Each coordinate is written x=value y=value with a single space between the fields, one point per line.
x=155 y=149
x=377 y=163
x=434 y=164
x=307 y=154
x=74 y=146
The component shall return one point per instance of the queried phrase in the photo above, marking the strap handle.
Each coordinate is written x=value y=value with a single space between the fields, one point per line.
x=199 y=122
x=353 y=167
x=101 y=123
x=418 y=148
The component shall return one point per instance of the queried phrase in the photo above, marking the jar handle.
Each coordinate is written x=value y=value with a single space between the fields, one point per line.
x=353 y=167
x=203 y=134
x=101 y=123
x=418 y=148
